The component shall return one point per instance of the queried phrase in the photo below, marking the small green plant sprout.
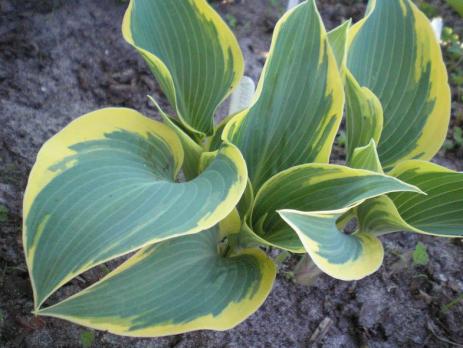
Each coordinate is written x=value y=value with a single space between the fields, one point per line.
x=86 y=339
x=198 y=201
x=449 y=306
x=420 y=255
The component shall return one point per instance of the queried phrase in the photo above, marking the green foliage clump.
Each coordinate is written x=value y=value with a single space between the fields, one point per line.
x=194 y=203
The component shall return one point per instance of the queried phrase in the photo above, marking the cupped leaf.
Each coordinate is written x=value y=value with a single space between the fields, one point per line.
x=173 y=287
x=377 y=215
x=439 y=212
x=364 y=116
x=380 y=216
x=342 y=256
x=192 y=53
x=105 y=186
x=314 y=188
x=299 y=100
x=395 y=54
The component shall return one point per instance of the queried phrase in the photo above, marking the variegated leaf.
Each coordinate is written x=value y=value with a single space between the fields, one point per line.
x=192 y=53
x=299 y=100
x=342 y=256
x=366 y=157
x=338 y=42
x=173 y=287
x=364 y=116
x=439 y=212
x=106 y=185
x=394 y=53
x=313 y=188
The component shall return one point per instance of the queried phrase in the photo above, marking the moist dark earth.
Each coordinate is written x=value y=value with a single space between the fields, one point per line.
x=62 y=58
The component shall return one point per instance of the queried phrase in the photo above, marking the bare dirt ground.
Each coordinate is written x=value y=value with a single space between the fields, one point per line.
x=62 y=58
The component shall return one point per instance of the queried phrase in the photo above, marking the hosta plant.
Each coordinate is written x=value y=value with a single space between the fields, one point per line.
x=193 y=204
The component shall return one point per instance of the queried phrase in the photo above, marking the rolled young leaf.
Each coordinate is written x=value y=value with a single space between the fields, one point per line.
x=314 y=188
x=173 y=287
x=364 y=116
x=299 y=100
x=192 y=53
x=342 y=256
x=338 y=42
x=105 y=186
x=395 y=54
x=366 y=157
